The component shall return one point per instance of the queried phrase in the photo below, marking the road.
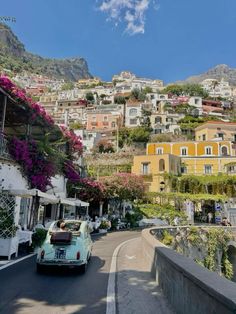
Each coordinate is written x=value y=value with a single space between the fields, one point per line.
x=23 y=291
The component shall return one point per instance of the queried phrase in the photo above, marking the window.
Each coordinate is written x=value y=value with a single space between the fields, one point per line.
x=208 y=150
x=133 y=121
x=208 y=169
x=221 y=135
x=161 y=165
x=183 y=169
x=159 y=151
x=204 y=137
x=145 y=168
x=133 y=112
x=105 y=118
x=224 y=150
x=113 y=124
x=184 y=151
x=94 y=118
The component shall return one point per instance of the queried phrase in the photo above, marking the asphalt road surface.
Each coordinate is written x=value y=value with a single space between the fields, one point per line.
x=23 y=291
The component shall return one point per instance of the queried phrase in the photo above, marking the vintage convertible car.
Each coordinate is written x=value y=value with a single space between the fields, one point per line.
x=70 y=247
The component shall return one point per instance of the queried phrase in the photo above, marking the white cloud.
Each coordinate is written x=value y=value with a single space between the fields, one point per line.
x=131 y=12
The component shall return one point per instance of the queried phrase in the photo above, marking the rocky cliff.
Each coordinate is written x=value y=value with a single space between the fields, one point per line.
x=14 y=57
x=218 y=72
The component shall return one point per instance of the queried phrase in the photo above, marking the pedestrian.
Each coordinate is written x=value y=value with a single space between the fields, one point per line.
x=210 y=217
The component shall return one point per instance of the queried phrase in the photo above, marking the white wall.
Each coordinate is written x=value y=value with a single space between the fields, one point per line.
x=11 y=177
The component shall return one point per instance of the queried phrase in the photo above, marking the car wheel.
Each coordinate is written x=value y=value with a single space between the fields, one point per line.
x=39 y=268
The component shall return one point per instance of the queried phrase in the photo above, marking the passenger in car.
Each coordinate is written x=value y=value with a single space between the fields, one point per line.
x=63 y=226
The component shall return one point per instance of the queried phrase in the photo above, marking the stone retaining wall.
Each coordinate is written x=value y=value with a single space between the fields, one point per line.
x=189 y=287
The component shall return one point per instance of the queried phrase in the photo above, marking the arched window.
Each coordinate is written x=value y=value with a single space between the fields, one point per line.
x=133 y=112
x=158 y=120
x=224 y=151
x=161 y=165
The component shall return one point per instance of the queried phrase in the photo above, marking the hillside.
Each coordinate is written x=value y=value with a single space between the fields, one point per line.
x=14 y=57
x=218 y=72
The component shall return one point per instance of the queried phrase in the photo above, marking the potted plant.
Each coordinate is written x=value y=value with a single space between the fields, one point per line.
x=8 y=239
x=104 y=226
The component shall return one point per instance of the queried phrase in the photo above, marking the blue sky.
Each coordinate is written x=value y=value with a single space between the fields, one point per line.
x=165 y=39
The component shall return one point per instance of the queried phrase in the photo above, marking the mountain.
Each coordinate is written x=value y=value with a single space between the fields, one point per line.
x=218 y=72
x=14 y=57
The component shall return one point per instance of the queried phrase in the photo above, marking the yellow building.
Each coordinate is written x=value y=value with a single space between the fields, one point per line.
x=199 y=158
x=216 y=130
x=153 y=168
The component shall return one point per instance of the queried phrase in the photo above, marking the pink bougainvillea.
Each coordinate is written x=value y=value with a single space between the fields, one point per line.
x=90 y=190
x=125 y=186
x=71 y=173
x=35 y=165
x=20 y=94
x=74 y=140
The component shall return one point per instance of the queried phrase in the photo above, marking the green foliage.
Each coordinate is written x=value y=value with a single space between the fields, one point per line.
x=173 y=89
x=104 y=146
x=186 y=89
x=76 y=126
x=138 y=94
x=67 y=86
x=7 y=225
x=124 y=186
x=104 y=225
x=119 y=100
x=164 y=212
x=217 y=187
x=218 y=240
x=189 y=196
x=38 y=238
x=147 y=90
x=89 y=96
x=160 y=138
x=167 y=238
x=140 y=134
x=133 y=218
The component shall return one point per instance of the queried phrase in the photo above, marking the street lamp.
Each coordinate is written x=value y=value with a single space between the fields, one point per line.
x=162 y=188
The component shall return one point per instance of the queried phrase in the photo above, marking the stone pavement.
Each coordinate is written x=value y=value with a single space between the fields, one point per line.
x=137 y=292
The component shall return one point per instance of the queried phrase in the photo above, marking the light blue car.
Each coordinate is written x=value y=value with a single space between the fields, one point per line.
x=70 y=247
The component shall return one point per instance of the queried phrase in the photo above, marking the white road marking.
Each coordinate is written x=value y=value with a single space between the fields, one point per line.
x=16 y=261
x=111 y=293
x=130 y=257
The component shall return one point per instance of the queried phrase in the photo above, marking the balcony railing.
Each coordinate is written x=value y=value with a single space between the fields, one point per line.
x=4 y=152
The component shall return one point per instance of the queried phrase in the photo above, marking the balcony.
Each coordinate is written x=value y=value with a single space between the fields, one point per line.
x=106 y=123
x=94 y=123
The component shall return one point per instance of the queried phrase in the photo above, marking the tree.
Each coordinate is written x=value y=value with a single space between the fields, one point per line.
x=138 y=94
x=173 y=89
x=160 y=138
x=124 y=186
x=104 y=146
x=147 y=90
x=119 y=100
x=140 y=134
x=67 y=86
x=89 y=96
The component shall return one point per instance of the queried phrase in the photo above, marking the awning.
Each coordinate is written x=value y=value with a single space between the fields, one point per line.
x=49 y=198
x=67 y=201
x=35 y=192
x=79 y=202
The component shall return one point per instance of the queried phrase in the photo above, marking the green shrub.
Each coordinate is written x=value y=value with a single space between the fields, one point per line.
x=38 y=237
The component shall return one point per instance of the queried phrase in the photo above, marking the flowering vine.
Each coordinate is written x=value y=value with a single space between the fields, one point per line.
x=70 y=172
x=20 y=94
x=36 y=166
x=75 y=142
